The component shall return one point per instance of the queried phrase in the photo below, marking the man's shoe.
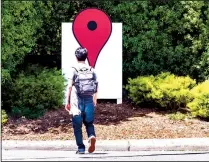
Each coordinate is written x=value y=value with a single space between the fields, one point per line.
x=92 y=141
x=80 y=152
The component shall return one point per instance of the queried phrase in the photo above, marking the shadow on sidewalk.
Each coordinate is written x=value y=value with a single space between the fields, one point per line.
x=141 y=155
x=90 y=156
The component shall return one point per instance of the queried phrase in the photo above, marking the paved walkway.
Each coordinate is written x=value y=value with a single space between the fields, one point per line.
x=45 y=155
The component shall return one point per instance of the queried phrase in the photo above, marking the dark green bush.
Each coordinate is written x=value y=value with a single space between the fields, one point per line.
x=164 y=90
x=162 y=36
x=36 y=92
x=20 y=21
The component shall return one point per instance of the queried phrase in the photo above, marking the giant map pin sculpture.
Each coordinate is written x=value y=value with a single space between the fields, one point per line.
x=92 y=28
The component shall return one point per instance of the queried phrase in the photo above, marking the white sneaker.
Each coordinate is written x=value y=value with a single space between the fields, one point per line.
x=92 y=141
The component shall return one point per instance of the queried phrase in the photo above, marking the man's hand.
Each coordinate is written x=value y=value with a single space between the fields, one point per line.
x=95 y=102
x=95 y=99
x=67 y=107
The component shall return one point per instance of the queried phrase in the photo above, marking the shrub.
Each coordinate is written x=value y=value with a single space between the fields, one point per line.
x=164 y=90
x=36 y=92
x=199 y=106
x=4 y=117
x=179 y=116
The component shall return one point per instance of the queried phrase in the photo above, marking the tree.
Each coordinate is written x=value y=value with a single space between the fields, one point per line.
x=162 y=36
x=19 y=23
x=49 y=34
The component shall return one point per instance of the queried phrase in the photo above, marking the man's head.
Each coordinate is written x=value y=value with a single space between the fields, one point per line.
x=81 y=54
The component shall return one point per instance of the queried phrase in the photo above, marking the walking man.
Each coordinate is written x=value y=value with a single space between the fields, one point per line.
x=82 y=99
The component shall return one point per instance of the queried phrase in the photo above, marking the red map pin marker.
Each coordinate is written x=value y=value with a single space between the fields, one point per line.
x=92 y=29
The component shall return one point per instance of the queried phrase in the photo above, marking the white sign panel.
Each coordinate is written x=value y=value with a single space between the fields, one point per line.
x=109 y=62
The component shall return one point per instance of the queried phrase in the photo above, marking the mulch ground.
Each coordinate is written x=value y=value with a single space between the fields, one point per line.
x=112 y=121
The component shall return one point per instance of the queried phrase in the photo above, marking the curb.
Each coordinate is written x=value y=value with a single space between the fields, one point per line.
x=180 y=144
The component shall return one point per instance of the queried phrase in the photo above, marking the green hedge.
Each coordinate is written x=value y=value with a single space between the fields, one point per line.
x=36 y=92
x=165 y=90
x=199 y=106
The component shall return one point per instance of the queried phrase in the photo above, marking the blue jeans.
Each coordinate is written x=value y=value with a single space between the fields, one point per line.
x=86 y=107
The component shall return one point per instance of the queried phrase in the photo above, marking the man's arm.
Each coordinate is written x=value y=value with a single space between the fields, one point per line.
x=67 y=106
x=69 y=93
x=95 y=98
x=95 y=94
x=70 y=84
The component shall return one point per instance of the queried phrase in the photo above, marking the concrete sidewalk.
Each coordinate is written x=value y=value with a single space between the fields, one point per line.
x=179 y=144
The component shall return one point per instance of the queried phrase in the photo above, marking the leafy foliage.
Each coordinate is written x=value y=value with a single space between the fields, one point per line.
x=162 y=36
x=4 y=117
x=19 y=23
x=158 y=36
x=179 y=116
x=199 y=106
x=164 y=90
x=49 y=34
x=37 y=91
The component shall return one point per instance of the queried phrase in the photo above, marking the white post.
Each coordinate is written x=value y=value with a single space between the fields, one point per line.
x=119 y=100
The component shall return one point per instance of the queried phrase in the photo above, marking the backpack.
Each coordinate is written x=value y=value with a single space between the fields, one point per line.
x=84 y=81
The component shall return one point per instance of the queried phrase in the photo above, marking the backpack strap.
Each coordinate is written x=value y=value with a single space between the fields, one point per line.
x=75 y=69
x=74 y=77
